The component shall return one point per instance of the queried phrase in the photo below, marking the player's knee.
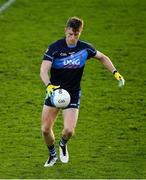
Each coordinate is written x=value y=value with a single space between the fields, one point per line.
x=46 y=126
x=45 y=130
x=69 y=132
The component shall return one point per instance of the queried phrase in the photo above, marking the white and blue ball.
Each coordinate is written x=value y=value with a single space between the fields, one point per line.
x=60 y=98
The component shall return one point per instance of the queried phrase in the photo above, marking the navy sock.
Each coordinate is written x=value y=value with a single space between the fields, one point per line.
x=63 y=142
x=52 y=150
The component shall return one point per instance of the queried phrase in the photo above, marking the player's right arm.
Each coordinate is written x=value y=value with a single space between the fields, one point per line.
x=45 y=68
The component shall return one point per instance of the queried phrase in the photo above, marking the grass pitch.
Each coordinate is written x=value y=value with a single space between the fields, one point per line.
x=110 y=140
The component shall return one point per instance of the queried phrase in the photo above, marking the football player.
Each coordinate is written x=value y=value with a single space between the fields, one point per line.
x=65 y=60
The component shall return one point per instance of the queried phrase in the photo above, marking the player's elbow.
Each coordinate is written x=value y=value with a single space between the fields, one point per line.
x=103 y=58
x=45 y=67
x=41 y=72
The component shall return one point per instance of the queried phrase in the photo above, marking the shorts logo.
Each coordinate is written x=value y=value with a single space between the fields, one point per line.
x=73 y=104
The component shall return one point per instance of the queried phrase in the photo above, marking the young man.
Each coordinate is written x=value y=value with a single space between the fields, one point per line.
x=65 y=60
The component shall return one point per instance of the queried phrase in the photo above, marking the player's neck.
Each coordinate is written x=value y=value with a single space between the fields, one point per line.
x=69 y=44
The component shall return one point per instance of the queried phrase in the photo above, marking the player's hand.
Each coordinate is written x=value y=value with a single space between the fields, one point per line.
x=119 y=78
x=50 y=88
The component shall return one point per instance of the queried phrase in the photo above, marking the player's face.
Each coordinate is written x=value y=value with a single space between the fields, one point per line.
x=71 y=36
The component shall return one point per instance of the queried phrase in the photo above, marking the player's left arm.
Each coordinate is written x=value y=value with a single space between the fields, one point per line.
x=109 y=65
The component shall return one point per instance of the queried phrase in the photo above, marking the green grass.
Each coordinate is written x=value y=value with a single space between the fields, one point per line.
x=110 y=138
x=2 y=2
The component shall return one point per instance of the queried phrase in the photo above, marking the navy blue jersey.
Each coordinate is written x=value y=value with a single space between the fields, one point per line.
x=68 y=63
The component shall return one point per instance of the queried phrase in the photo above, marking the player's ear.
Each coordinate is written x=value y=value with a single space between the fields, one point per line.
x=65 y=30
x=81 y=29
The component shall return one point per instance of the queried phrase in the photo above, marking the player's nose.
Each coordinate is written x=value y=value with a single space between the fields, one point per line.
x=73 y=37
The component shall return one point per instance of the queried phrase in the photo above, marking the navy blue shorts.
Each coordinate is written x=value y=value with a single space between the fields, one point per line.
x=74 y=102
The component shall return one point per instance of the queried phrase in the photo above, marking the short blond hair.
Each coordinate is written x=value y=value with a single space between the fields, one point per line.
x=75 y=23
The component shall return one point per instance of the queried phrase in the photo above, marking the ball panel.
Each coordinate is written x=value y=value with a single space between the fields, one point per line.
x=60 y=98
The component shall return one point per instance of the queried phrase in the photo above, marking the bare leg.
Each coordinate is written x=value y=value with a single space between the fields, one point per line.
x=48 y=118
x=70 y=119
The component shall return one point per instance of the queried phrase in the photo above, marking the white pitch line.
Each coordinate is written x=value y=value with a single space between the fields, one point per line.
x=6 y=5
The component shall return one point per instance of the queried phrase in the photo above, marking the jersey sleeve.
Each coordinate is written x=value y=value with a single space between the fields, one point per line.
x=91 y=51
x=48 y=55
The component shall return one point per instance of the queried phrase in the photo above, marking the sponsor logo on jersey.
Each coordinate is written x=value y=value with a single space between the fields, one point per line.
x=72 y=62
x=63 y=54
